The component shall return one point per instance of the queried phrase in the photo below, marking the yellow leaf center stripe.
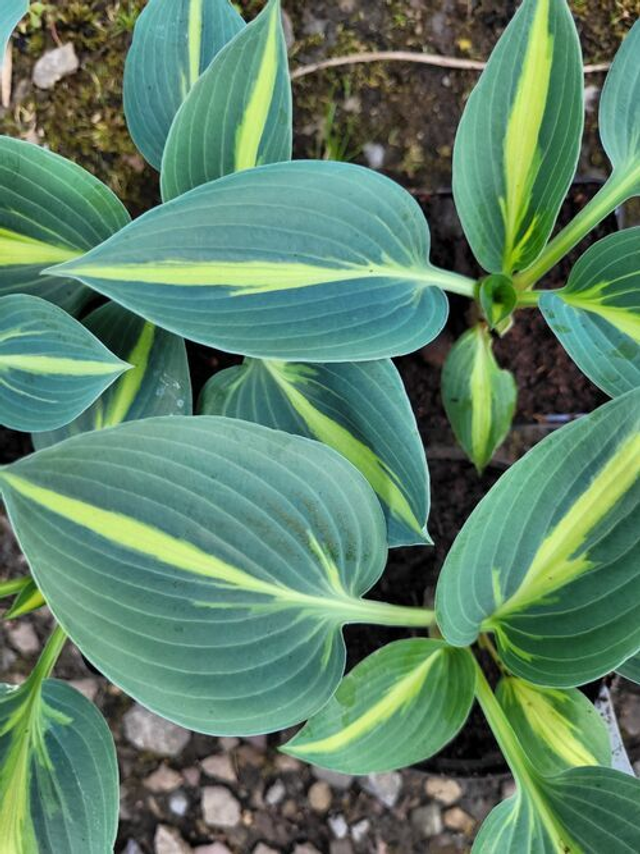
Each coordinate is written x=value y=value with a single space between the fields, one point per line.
x=126 y=389
x=521 y=145
x=560 y=558
x=51 y=365
x=594 y=300
x=195 y=40
x=254 y=121
x=20 y=250
x=328 y=431
x=397 y=698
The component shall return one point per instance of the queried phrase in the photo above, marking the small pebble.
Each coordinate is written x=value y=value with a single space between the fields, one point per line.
x=458 y=819
x=214 y=848
x=88 y=687
x=168 y=841
x=219 y=765
x=275 y=794
x=179 y=804
x=385 y=787
x=360 y=830
x=23 y=638
x=320 y=796
x=163 y=779
x=261 y=848
x=147 y=731
x=427 y=820
x=342 y=782
x=54 y=65
x=443 y=789
x=339 y=826
x=219 y=807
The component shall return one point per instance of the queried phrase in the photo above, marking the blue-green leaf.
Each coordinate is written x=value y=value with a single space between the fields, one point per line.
x=359 y=409
x=619 y=120
x=631 y=668
x=51 y=367
x=173 y=42
x=238 y=114
x=10 y=13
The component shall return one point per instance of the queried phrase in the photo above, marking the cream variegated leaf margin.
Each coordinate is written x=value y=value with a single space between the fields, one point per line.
x=596 y=317
x=397 y=707
x=58 y=771
x=557 y=728
x=157 y=384
x=51 y=367
x=238 y=114
x=337 y=271
x=205 y=565
x=479 y=397
x=359 y=409
x=548 y=561
x=174 y=41
x=518 y=142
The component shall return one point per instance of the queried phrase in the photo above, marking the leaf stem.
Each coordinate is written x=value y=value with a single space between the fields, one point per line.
x=621 y=185
x=49 y=655
x=384 y=614
x=452 y=282
x=528 y=299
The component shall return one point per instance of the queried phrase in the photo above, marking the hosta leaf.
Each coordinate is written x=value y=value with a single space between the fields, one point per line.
x=10 y=14
x=337 y=271
x=518 y=142
x=596 y=317
x=479 y=397
x=58 y=772
x=580 y=811
x=205 y=565
x=557 y=728
x=399 y=706
x=173 y=42
x=158 y=383
x=548 y=561
x=28 y=599
x=619 y=120
x=51 y=367
x=631 y=668
x=238 y=114
x=50 y=211
x=359 y=409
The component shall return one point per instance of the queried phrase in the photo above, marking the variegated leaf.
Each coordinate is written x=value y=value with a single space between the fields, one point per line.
x=337 y=270
x=397 y=707
x=174 y=41
x=28 y=599
x=359 y=409
x=238 y=114
x=596 y=317
x=10 y=13
x=479 y=397
x=518 y=142
x=158 y=383
x=549 y=560
x=50 y=211
x=631 y=668
x=51 y=367
x=205 y=565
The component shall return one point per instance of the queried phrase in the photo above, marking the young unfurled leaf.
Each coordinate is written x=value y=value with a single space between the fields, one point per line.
x=479 y=397
x=58 y=771
x=359 y=409
x=205 y=565
x=28 y=599
x=173 y=42
x=51 y=367
x=397 y=707
x=580 y=811
x=10 y=13
x=631 y=668
x=549 y=560
x=518 y=142
x=50 y=211
x=596 y=317
x=157 y=384
x=619 y=120
x=336 y=271
x=238 y=114
x=498 y=298
x=557 y=728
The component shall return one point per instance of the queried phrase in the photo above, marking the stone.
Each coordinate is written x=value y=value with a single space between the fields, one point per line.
x=220 y=808
x=219 y=765
x=443 y=789
x=131 y=847
x=339 y=826
x=385 y=787
x=179 y=804
x=214 y=848
x=458 y=819
x=54 y=65
x=88 y=687
x=320 y=796
x=305 y=848
x=23 y=638
x=228 y=742
x=191 y=776
x=275 y=794
x=147 y=731
x=427 y=820
x=341 y=846
x=508 y=789
x=360 y=830
x=342 y=782
x=168 y=841
x=287 y=764
x=163 y=779
x=261 y=848
x=374 y=154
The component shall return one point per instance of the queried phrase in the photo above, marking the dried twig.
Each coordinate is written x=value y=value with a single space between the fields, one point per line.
x=408 y=56
x=5 y=77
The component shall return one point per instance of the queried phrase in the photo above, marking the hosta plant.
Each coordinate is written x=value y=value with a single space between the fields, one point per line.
x=207 y=565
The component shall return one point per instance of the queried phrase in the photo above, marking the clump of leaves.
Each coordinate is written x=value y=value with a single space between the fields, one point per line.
x=207 y=565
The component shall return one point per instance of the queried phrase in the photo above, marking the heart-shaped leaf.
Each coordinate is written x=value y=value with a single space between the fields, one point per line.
x=518 y=142
x=596 y=317
x=50 y=211
x=359 y=409
x=548 y=561
x=173 y=42
x=205 y=565
x=399 y=706
x=51 y=367
x=158 y=383
x=238 y=114
x=337 y=271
